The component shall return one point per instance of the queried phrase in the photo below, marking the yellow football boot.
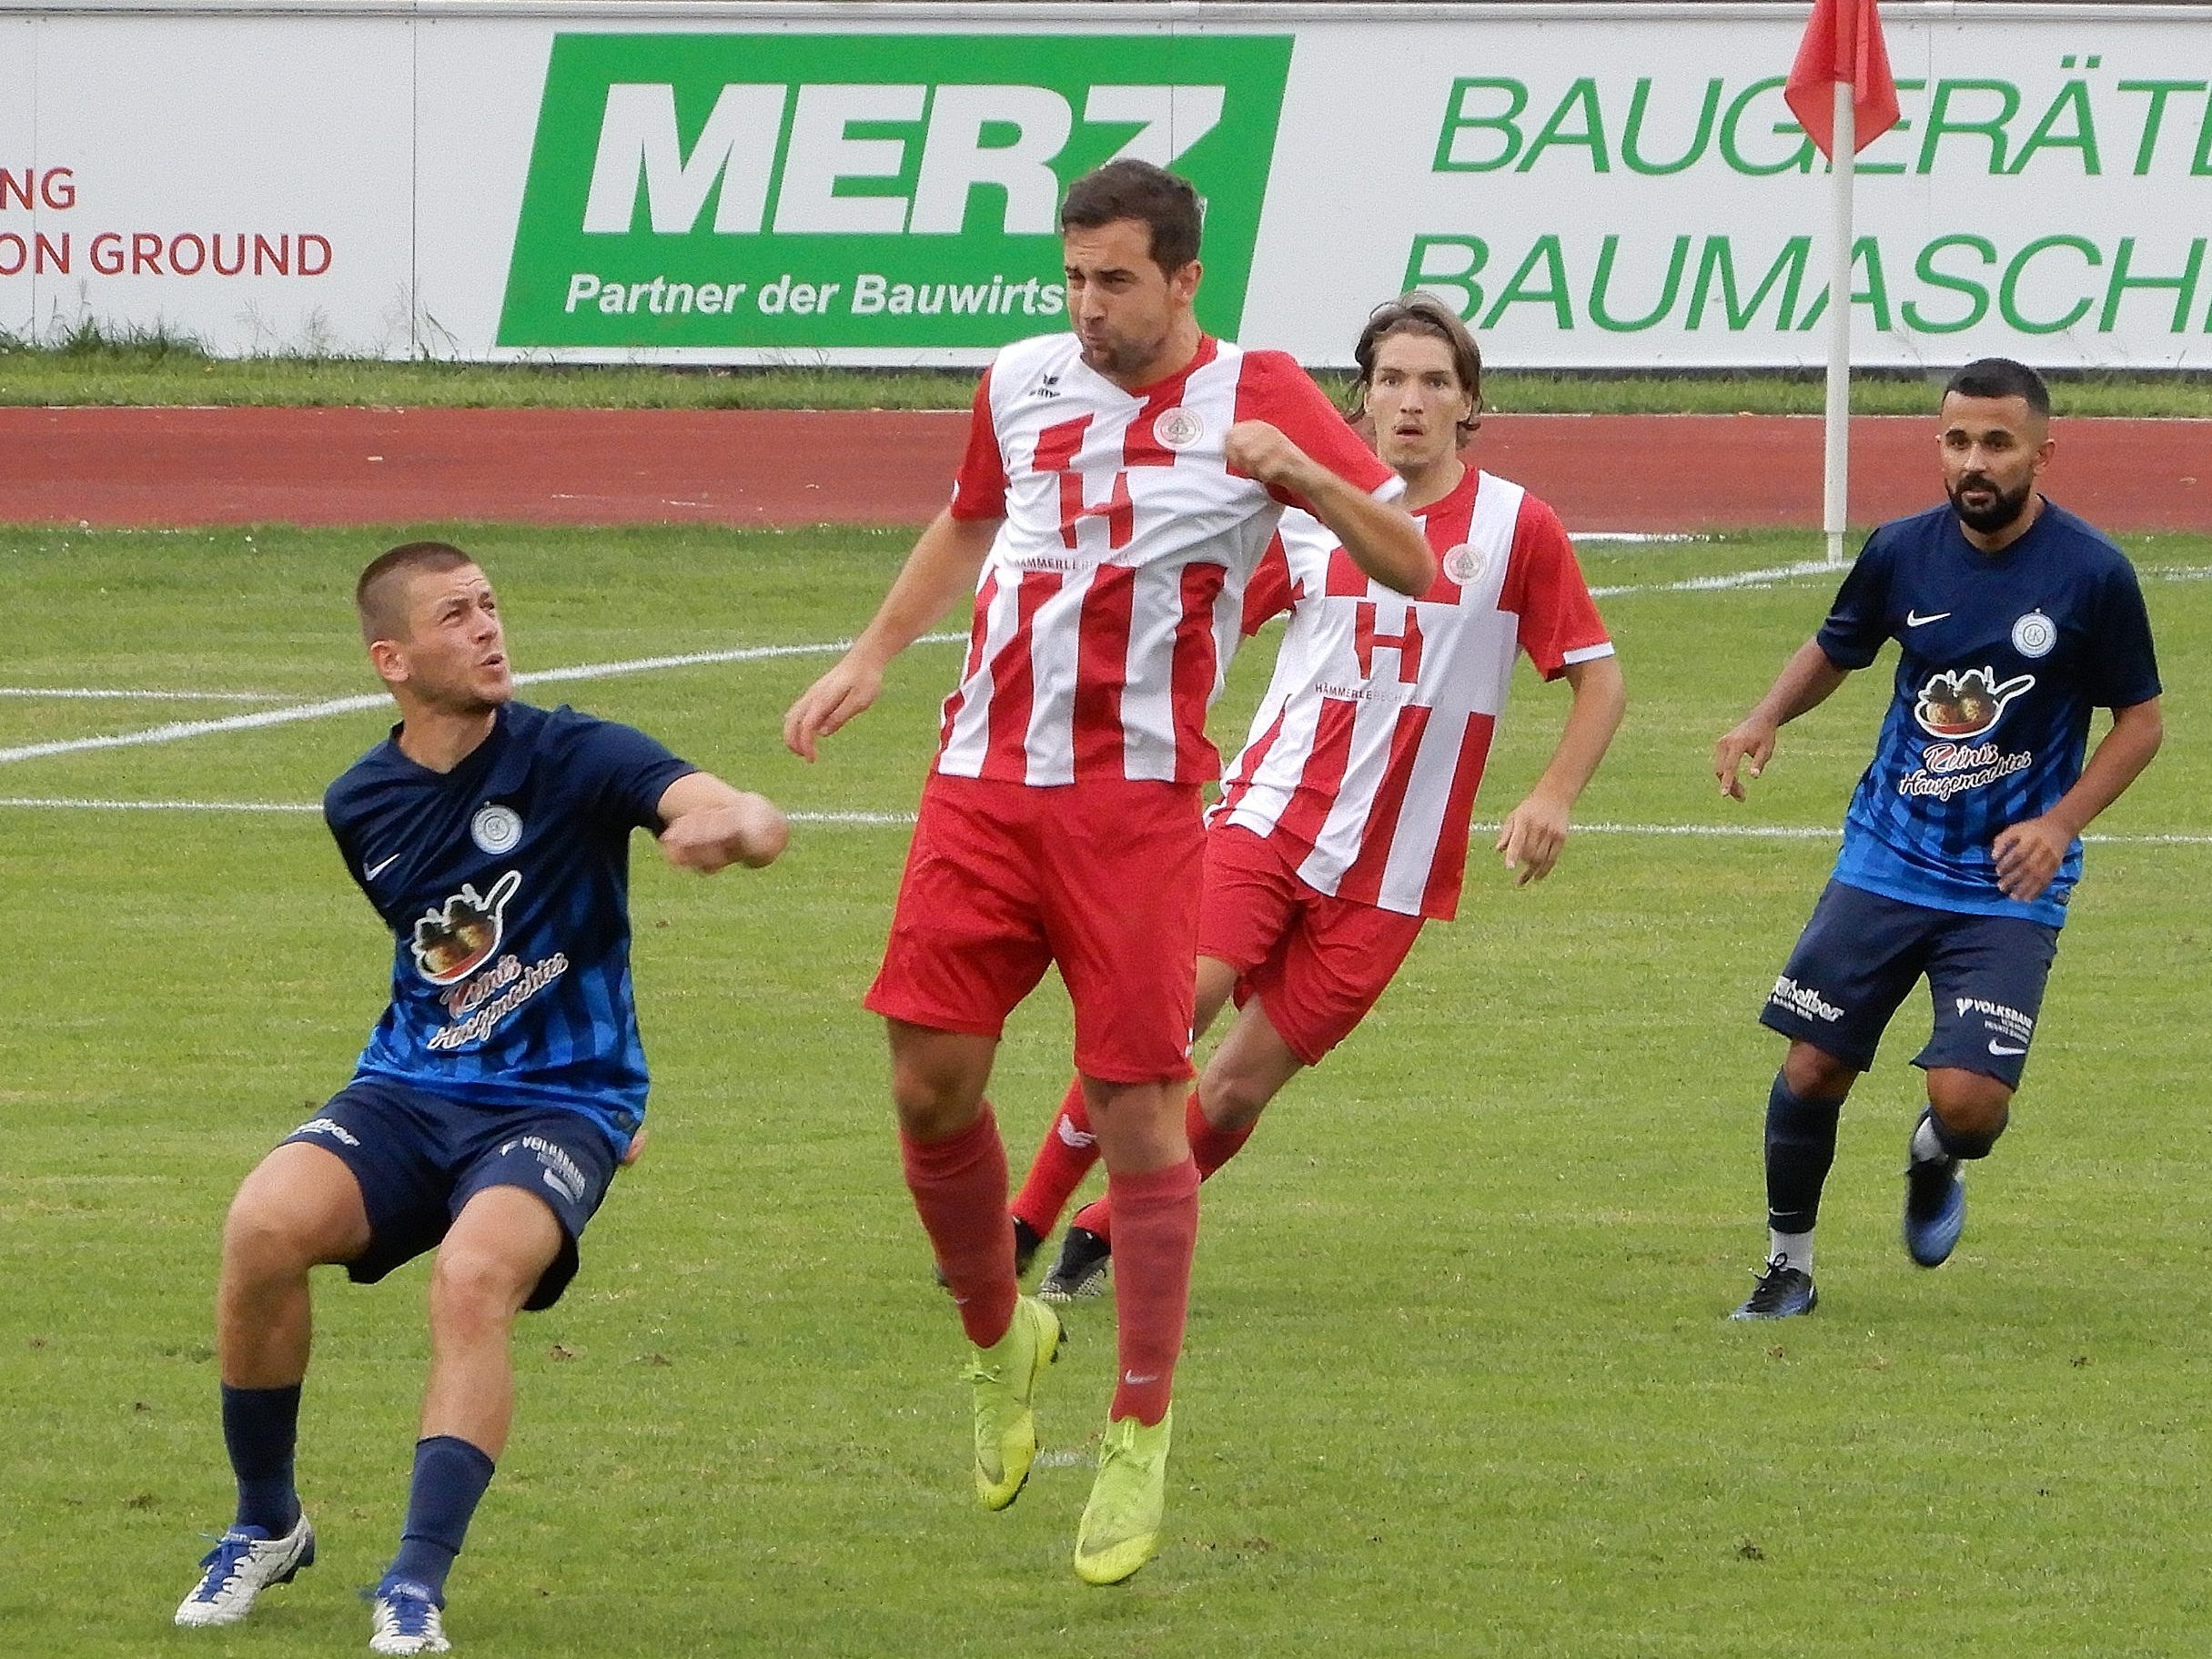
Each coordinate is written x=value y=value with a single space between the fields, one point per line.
x=1120 y=1531
x=1005 y=1379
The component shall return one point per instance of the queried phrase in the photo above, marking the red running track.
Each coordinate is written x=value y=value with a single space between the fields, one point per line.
x=203 y=467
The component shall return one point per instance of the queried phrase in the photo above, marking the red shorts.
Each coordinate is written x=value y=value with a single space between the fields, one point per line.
x=1316 y=963
x=1101 y=878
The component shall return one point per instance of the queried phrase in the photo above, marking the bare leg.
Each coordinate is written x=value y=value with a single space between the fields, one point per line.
x=492 y=1257
x=1248 y=1070
x=299 y=1209
x=1972 y=1106
x=938 y=1079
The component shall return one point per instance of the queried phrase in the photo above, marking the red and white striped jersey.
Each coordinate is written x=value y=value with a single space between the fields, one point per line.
x=1108 y=606
x=1366 y=755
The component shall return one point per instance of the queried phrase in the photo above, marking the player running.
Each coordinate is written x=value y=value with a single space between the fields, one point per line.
x=1344 y=823
x=1962 y=844
x=497 y=1097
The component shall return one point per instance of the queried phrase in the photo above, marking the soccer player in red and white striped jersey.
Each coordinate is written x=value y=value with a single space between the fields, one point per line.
x=1345 y=820
x=1120 y=484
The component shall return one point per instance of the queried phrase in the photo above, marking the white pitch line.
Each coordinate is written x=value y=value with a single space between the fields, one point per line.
x=180 y=729
x=1733 y=579
x=86 y=693
x=177 y=730
x=70 y=804
x=868 y=820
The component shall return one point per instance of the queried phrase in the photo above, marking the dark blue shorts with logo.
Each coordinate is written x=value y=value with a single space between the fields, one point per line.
x=1862 y=951
x=419 y=1157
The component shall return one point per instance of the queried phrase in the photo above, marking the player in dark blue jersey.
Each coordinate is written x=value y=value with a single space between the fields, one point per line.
x=1963 y=841
x=498 y=1094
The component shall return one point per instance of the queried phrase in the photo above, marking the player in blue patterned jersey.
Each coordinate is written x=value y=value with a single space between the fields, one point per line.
x=497 y=1097
x=1962 y=845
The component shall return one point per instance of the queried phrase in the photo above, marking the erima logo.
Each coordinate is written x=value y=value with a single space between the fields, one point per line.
x=783 y=158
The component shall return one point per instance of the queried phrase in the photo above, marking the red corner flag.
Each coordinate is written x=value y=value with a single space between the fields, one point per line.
x=1842 y=43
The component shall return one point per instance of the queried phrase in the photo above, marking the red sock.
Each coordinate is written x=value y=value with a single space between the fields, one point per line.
x=1209 y=1149
x=959 y=1187
x=1158 y=1233
x=1063 y=1160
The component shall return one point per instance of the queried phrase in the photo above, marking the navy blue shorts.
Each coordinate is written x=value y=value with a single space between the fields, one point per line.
x=419 y=1157
x=1857 y=960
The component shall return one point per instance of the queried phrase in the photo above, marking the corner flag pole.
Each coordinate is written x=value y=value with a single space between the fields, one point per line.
x=1836 y=476
x=1840 y=90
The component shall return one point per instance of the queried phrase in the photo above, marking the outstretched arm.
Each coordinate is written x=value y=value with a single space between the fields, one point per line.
x=1805 y=683
x=1534 y=832
x=706 y=825
x=943 y=566
x=2030 y=852
x=1382 y=541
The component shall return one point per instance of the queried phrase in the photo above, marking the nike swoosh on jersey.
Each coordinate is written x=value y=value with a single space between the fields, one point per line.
x=1997 y=1048
x=1912 y=619
x=375 y=870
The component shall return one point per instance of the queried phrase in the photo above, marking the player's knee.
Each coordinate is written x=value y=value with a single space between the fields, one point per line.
x=474 y=1291
x=1814 y=1073
x=932 y=1102
x=1971 y=1111
x=1232 y=1101
x=267 y=1237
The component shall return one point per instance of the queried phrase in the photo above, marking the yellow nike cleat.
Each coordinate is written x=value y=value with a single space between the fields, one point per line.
x=1006 y=1378
x=1120 y=1531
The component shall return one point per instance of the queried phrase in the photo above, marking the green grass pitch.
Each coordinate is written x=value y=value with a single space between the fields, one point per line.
x=1457 y=1380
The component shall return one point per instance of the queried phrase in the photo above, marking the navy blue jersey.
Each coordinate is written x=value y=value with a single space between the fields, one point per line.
x=2003 y=656
x=506 y=885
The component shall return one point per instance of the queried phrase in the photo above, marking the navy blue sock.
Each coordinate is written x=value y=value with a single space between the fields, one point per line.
x=1800 y=1148
x=450 y=1475
x=261 y=1430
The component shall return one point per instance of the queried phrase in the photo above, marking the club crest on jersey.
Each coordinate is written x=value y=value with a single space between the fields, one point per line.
x=1464 y=564
x=2035 y=634
x=495 y=828
x=454 y=939
x=1958 y=704
x=1177 y=429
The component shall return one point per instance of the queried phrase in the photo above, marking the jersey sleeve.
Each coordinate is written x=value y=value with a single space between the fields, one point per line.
x=343 y=821
x=621 y=772
x=1559 y=622
x=979 y=488
x=1270 y=593
x=1270 y=386
x=1858 y=622
x=2122 y=667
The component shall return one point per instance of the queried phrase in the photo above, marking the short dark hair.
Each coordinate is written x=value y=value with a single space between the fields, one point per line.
x=2000 y=377
x=380 y=596
x=1420 y=313
x=1166 y=205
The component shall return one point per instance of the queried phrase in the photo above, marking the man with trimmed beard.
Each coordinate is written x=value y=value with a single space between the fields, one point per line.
x=1120 y=484
x=1962 y=844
